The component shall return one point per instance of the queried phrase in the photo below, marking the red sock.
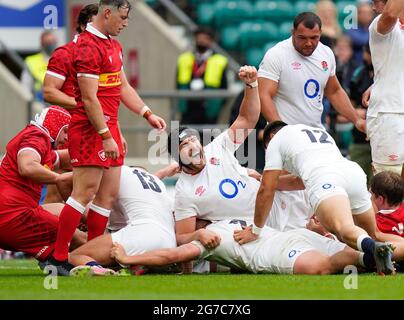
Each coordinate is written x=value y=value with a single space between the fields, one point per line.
x=97 y=220
x=69 y=219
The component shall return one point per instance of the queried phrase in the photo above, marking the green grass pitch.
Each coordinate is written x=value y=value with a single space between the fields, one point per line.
x=21 y=279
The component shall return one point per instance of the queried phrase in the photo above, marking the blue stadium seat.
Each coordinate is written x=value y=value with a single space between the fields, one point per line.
x=256 y=34
x=229 y=37
x=254 y=56
x=205 y=13
x=304 y=6
x=232 y=12
x=285 y=30
x=274 y=11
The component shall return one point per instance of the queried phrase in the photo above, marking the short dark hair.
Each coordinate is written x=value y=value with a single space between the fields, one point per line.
x=204 y=30
x=272 y=127
x=118 y=4
x=85 y=15
x=309 y=20
x=389 y=185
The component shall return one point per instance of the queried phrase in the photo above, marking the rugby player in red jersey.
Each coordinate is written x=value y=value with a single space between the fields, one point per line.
x=95 y=146
x=27 y=165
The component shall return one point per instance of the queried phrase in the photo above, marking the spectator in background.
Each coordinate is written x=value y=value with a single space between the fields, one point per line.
x=346 y=64
x=345 y=67
x=360 y=35
x=37 y=64
x=199 y=70
x=362 y=78
x=330 y=30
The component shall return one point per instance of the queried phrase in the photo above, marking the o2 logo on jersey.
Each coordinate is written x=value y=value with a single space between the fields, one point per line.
x=229 y=189
x=311 y=88
x=292 y=253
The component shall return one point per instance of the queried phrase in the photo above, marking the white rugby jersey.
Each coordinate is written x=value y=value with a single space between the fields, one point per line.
x=388 y=61
x=290 y=210
x=142 y=198
x=254 y=256
x=302 y=150
x=221 y=190
x=301 y=81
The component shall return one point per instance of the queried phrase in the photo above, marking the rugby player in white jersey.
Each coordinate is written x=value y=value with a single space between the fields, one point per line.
x=212 y=184
x=144 y=210
x=385 y=114
x=297 y=251
x=336 y=189
x=296 y=74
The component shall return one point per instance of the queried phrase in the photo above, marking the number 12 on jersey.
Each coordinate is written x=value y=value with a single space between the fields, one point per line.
x=322 y=136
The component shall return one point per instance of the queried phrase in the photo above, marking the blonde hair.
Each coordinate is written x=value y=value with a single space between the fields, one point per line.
x=327 y=11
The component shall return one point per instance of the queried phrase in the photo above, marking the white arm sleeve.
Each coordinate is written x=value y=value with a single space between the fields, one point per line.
x=273 y=156
x=271 y=65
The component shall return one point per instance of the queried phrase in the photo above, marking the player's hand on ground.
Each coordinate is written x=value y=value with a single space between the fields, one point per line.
x=110 y=148
x=124 y=145
x=118 y=253
x=157 y=122
x=366 y=98
x=247 y=74
x=209 y=239
x=245 y=235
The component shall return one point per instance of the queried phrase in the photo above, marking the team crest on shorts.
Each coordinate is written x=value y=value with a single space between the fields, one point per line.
x=214 y=161
x=102 y=156
x=324 y=64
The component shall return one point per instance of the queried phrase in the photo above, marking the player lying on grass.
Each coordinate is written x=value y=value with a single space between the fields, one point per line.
x=298 y=251
x=144 y=209
x=336 y=187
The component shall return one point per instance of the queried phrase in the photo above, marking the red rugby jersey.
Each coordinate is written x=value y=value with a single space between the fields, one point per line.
x=100 y=57
x=391 y=222
x=61 y=66
x=14 y=188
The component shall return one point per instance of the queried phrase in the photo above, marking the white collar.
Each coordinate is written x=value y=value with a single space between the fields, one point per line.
x=387 y=211
x=90 y=28
x=42 y=129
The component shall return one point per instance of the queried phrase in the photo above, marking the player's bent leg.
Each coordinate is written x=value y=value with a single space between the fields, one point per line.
x=79 y=239
x=312 y=262
x=97 y=250
x=335 y=215
x=54 y=208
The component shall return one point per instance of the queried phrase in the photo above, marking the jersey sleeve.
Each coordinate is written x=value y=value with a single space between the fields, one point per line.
x=273 y=156
x=225 y=141
x=271 y=65
x=183 y=206
x=333 y=62
x=373 y=33
x=34 y=142
x=87 y=59
x=59 y=64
